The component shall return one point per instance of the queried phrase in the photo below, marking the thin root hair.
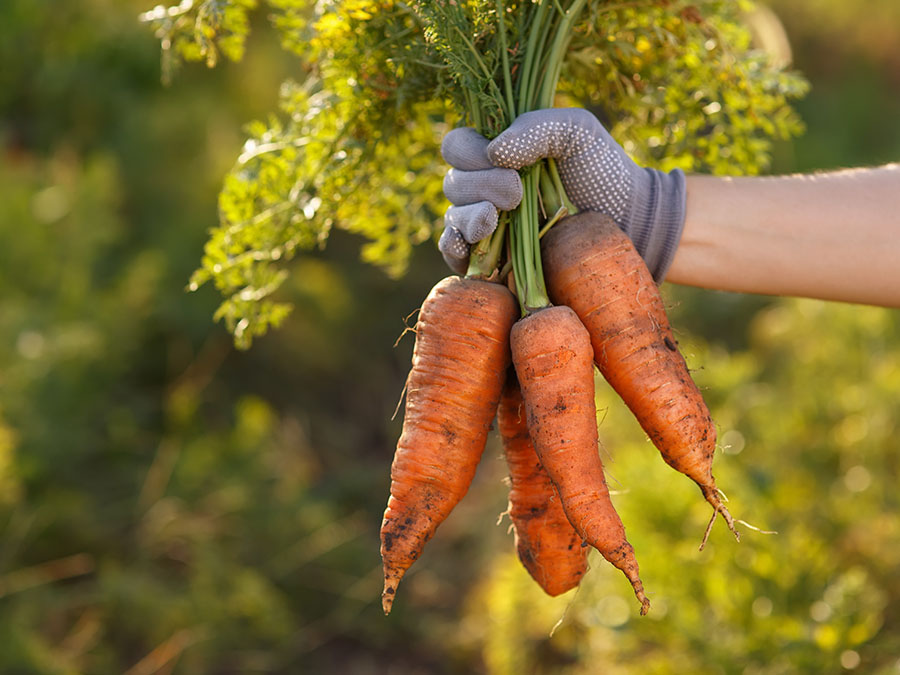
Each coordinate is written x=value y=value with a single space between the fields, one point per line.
x=407 y=328
x=402 y=394
x=754 y=528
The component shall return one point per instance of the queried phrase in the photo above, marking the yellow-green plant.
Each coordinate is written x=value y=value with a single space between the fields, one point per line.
x=356 y=143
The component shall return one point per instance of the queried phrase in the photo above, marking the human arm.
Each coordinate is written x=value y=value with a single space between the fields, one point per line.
x=832 y=236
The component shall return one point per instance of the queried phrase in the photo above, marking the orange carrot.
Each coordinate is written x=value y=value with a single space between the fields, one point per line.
x=592 y=267
x=551 y=351
x=547 y=544
x=458 y=369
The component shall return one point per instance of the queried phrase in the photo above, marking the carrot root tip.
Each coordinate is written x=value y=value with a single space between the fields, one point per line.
x=638 y=587
x=712 y=496
x=645 y=606
x=708 y=530
x=387 y=599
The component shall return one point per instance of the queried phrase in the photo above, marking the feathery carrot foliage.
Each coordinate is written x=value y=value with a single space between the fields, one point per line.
x=355 y=145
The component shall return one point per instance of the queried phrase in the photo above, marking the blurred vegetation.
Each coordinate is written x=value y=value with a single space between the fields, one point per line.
x=170 y=505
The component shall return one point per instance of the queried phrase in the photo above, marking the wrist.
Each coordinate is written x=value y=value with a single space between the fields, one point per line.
x=656 y=219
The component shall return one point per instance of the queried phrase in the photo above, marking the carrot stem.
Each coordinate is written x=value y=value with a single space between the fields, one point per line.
x=485 y=257
x=540 y=183
x=549 y=195
x=504 y=57
x=527 y=79
x=557 y=53
x=561 y=213
x=560 y=190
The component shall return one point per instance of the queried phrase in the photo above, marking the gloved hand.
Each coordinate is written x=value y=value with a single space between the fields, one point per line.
x=477 y=190
x=597 y=174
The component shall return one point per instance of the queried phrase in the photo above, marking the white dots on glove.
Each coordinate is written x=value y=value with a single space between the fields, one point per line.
x=596 y=172
x=454 y=249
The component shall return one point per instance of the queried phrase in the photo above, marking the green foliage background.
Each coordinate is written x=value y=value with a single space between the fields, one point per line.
x=170 y=505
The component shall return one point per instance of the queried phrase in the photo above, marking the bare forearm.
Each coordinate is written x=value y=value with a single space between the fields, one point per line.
x=834 y=236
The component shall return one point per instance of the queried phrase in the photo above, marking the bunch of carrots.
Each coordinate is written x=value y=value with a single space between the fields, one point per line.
x=582 y=297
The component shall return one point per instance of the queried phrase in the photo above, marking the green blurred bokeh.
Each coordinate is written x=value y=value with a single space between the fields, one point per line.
x=170 y=505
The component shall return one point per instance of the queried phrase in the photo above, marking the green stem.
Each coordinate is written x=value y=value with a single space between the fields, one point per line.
x=529 y=275
x=559 y=215
x=548 y=28
x=518 y=263
x=540 y=74
x=529 y=216
x=560 y=190
x=499 y=241
x=504 y=56
x=557 y=53
x=484 y=258
x=527 y=77
x=549 y=194
x=536 y=87
x=474 y=110
x=476 y=56
x=539 y=289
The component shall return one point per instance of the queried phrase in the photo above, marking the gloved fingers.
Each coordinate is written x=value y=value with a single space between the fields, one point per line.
x=454 y=249
x=554 y=132
x=501 y=187
x=473 y=221
x=466 y=149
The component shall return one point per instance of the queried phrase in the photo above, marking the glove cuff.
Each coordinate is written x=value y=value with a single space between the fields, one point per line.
x=657 y=219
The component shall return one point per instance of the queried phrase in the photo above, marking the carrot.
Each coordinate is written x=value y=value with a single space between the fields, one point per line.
x=458 y=368
x=551 y=351
x=547 y=544
x=592 y=267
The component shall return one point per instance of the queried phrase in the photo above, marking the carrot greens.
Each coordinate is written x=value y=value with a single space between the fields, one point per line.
x=355 y=145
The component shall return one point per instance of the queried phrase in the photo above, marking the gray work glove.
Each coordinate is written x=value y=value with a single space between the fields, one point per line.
x=597 y=174
x=477 y=189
